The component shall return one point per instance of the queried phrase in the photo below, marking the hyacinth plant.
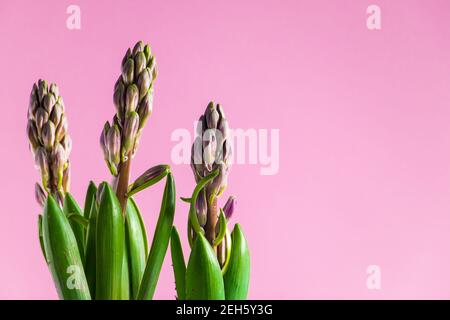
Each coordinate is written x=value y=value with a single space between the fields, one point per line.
x=219 y=262
x=100 y=251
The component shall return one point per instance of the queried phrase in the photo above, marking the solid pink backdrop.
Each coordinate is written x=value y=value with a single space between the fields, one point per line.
x=364 y=119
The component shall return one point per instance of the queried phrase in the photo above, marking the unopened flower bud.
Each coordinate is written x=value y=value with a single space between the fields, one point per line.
x=229 y=206
x=145 y=109
x=128 y=71
x=144 y=82
x=61 y=130
x=48 y=135
x=43 y=89
x=139 y=63
x=49 y=102
x=131 y=98
x=113 y=141
x=130 y=132
x=40 y=194
x=138 y=47
x=202 y=208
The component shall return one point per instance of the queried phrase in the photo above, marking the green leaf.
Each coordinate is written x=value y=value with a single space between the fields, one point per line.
x=179 y=266
x=136 y=244
x=72 y=207
x=203 y=275
x=160 y=242
x=110 y=243
x=237 y=277
x=41 y=238
x=91 y=212
x=125 y=288
x=90 y=259
x=75 y=217
x=222 y=228
x=63 y=256
x=192 y=210
x=89 y=199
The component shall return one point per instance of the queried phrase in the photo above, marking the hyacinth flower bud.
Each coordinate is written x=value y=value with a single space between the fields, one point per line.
x=202 y=208
x=56 y=114
x=229 y=206
x=130 y=132
x=43 y=89
x=131 y=99
x=32 y=134
x=57 y=165
x=138 y=47
x=49 y=102
x=40 y=194
x=113 y=141
x=148 y=178
x=42 y=164
x=128 y=71
x=140 y=63
x=145 y=110
x=61 y=130
x=48 y=135
x=119 y=93
x=41 y=118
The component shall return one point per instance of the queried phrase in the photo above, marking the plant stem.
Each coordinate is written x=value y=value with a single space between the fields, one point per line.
x=211 y=221
x=122 y=183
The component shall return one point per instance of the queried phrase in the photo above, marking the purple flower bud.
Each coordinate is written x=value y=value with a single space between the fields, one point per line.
x=113 y=140
x=128 y=71
x=139 y=63
x=43 y=89
x=40 y=194
x=126 y=57
x=61 y=130
x=138 y=47
x=32 y=134
x=41 y=118
x=144 y=82
x=130 y=132
x=131 y=98
x=229 y=206
x=54 y=89
x=145 y=109
x=49 y=102
x=202 y=208
x=48 y=135
x=212 y=116
x=118 y=98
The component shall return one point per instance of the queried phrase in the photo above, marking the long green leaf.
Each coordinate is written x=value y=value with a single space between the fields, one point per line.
x=91 y=212
x=41 y=238
x=62 y=252
x=136 y=244
x=110 y=243
x=89 y=199
x=203 y=275
x=125 y=289
x=160 y=242
x=72 y=207
x=237 y=277
x=179 y=266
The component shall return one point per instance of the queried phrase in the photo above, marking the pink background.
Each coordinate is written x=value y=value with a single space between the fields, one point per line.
x=364 y=121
